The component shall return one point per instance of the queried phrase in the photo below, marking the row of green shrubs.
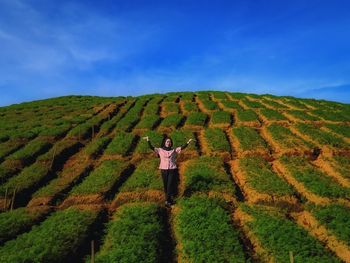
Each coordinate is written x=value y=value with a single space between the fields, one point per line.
x=313 y=178
x=249 y=139
x=102 y=179
x=205 y=174
x=279 y=236
x=17 y=221
x=283 y=136
x=204 y=228
x=54 y=240
x=320 y=136
x=136 y=232
x=260 y=177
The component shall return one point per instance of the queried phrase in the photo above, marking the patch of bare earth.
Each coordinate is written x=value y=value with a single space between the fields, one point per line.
x=91 y=199
x=127 y=197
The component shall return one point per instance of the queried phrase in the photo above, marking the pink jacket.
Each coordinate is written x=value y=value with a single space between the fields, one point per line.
x=167 y=158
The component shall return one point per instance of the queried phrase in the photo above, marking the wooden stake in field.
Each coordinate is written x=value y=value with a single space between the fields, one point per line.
x=53 y=157
x=5 y=203
x=13 y=198
x=92 y=251
x=291 y=257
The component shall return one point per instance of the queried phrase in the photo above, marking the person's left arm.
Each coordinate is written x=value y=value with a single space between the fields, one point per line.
x=178 y=149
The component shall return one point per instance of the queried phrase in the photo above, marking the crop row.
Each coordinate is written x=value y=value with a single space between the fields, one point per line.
x=315 y=180
x=261 y=182
x=55 y=240
x=205 y=233
x=207 y=175
x=321 y=137
x=98 y=184
x=136 y=231
x=275 y=236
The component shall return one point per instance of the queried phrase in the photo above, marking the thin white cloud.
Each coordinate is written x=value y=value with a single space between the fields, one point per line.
x=38 y=44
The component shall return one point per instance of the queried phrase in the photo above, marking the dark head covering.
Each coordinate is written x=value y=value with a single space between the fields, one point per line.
x=163 y=144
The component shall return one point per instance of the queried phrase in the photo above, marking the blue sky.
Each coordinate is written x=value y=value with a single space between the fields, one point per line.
x=119 y=48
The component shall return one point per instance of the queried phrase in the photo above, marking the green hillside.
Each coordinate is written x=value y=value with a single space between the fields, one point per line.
x=267 y=179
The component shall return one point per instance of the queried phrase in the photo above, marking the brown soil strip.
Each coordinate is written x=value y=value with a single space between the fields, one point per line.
x=40 y=201
x=253 y=196
x=226 y=156
x=301 y=135
x=254 y=124
x=270 y=141
x=218 y=102
x=91 y=207
x=186 y=155
x=106 y=157
x=303 y=190
x=347 y=140
x=230 y=98
x=227 y=197
x=243 y=105
x=267 y=122
x=193 y=128
x=74 y=169
x=267 y=105
x=202 y=107
x=203 y=143
x=179 y=247
x=162 y=129
x=164 y=113
x=286 y=104
x=299 y=186
x=317 y=230
x=280 y=150
x=292 y=118
x=237 y=151
x=182 y=168
x=139 y=131
x=325 y=166
x=92 y=199
x=259 y=254
x=326 y=150
x=219 y=125
x=234 y=144
x=149 y=195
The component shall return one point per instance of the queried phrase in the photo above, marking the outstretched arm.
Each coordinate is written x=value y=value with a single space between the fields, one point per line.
x=186 y=144
x=149 y=143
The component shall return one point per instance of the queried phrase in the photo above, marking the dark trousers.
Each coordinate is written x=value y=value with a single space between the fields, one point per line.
x=169 y=182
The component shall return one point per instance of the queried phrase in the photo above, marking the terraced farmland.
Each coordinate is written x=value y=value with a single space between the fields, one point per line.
x=267 y=179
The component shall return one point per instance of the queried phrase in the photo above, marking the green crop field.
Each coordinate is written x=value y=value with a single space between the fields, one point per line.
x=266 y=179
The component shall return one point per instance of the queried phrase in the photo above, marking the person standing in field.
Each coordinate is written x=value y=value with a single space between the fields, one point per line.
x=167 y=165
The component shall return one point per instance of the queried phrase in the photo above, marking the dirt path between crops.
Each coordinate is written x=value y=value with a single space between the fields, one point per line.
x=317 y=230
x=257 y=251
x=253 y=196
x=325 y=166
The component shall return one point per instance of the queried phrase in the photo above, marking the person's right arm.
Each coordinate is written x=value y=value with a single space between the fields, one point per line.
x=149 y=143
